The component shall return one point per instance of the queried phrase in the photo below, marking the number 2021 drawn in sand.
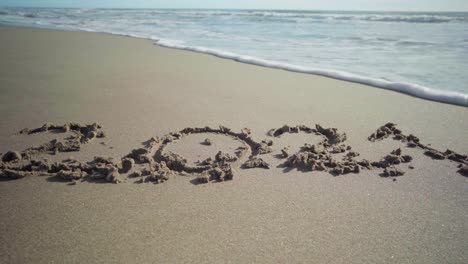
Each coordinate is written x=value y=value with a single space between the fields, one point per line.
x=154 y=163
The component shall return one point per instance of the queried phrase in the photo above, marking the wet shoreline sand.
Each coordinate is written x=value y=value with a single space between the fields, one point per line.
x=138 y=91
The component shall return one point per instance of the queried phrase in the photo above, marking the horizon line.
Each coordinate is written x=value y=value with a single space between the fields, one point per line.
x=230 y=8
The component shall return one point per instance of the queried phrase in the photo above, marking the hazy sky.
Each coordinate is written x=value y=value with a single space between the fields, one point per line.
x=410 y=5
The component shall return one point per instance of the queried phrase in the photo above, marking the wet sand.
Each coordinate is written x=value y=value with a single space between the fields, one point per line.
x=137 y=91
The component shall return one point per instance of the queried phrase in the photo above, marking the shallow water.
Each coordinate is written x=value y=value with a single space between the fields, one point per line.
x=422 y=54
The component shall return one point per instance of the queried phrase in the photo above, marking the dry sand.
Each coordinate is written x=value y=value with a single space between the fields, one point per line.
x=137 y=90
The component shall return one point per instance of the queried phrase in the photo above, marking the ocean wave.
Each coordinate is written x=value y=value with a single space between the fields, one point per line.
x=281 y=16
x=401 y=42
x=398 y=18
x=415 y=43
x=271 y=20
x=29 y=15
x=409 y=18
x=416 y=90
x=386 y=39
x=380 y=39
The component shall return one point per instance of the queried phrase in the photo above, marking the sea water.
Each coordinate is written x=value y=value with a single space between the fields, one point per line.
x=420 y=54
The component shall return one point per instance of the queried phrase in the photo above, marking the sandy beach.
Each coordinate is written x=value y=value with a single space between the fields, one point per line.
x=136 y=90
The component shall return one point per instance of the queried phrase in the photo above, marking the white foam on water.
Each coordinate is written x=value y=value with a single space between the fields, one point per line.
x=450 y=97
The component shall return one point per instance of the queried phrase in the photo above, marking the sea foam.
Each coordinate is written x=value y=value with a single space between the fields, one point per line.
x=416 y=90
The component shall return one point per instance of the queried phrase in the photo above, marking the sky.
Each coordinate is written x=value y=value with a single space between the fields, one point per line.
x=384 y=5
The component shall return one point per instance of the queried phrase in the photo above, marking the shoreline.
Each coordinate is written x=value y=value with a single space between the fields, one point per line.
x=409 y=89
x=138 y=91
x=380 y=96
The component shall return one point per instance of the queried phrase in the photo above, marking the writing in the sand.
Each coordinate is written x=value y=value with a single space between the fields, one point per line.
x=154 y=163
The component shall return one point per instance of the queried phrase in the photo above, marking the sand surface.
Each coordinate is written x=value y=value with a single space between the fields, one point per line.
x=136 y=90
